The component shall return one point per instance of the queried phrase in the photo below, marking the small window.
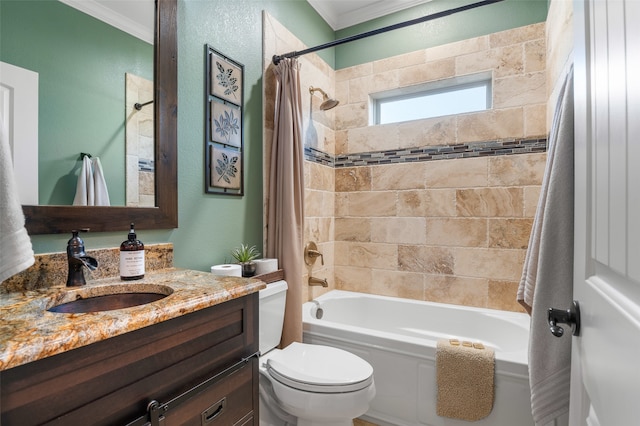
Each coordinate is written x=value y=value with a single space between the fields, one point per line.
x=429 y=101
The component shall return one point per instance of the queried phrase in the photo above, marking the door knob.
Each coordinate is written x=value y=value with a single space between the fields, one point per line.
x=570 y=317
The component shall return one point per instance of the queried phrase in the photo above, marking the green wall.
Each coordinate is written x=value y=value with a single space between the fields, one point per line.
x=211 y=225
x=81 y=64
x=468 y=24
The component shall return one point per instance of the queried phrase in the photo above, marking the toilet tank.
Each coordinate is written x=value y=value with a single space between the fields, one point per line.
x=271 y=314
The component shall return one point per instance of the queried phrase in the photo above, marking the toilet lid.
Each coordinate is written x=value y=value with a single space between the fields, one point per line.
x=318 y=368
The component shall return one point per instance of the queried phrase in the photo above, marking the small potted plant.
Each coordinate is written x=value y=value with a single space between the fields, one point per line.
x=245 y=255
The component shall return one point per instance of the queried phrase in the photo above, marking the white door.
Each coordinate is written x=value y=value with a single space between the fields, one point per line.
x=605 y=388
x=19 y=115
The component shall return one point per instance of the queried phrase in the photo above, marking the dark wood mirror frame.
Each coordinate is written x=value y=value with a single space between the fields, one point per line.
x=62 y=219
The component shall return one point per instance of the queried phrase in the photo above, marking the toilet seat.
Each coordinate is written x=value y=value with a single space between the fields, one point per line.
x=320 y=369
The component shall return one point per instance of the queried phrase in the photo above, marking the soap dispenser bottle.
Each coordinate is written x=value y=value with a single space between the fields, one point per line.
x=131 y=257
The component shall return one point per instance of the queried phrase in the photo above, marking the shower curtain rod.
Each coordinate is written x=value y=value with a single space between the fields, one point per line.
x=277 y=58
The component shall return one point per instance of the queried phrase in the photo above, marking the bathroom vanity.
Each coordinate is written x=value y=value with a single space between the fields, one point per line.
x=188 y=358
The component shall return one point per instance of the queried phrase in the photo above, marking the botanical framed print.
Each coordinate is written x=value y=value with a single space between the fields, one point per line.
x=226 y=168
x=224 y=124
x=226 y=78
x=226 y=120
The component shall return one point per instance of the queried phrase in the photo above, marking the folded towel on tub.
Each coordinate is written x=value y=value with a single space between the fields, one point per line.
x=465 y=379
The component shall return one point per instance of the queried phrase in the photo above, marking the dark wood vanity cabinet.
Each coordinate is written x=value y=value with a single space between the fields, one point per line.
x=198 y=369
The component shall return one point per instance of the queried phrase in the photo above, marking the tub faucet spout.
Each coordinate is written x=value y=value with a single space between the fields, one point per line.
x=318 y=281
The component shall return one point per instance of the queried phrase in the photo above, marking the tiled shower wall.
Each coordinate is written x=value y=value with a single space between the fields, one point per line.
x=447 y=230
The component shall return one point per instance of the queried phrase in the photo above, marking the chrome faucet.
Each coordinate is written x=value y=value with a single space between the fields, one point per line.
x=77 y=259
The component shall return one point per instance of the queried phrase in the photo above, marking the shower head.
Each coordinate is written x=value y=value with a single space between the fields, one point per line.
x=327 y=102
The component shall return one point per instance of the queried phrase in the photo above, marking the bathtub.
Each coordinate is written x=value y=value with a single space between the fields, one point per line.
x=398 y=337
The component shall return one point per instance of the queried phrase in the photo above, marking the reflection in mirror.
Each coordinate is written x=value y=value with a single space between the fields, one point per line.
x=61 y=219
x=80 y=62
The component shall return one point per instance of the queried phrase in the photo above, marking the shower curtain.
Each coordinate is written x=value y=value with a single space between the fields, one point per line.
x=285 y=217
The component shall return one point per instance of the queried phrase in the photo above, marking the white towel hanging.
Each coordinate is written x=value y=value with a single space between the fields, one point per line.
x=84 y=189
x=101 y=193
x=92 y=187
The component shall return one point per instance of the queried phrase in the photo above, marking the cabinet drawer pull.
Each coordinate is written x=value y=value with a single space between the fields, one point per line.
x=211 y=413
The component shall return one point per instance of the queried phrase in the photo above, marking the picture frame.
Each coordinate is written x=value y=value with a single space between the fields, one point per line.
x=224 y=141
x=226 y=78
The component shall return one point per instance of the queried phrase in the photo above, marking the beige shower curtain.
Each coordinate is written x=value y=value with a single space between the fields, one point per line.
x=285 y=218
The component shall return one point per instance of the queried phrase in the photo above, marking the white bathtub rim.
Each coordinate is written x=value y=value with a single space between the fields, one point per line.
x=511 y=363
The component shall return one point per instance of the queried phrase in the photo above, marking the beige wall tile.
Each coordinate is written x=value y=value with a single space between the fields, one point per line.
x=312 y=203
x=509 y=233
x=398 y=284
x=429 y=259
x=341 y=253
x=535 y=120
x=341 y=142
x=398 y=176
x=427 y=202
x=350 y=229
x=535 y=56
x=457 y=290
x=359 y=89
x=490 y=202
x=341 y=204
x=490 y=125
x=400 y=61
x=384 y=81
x=438 y=260
x=353 y=279
x=434 y=70
x=502 y=61
x=372 y=138
x=517 y=35
x=472 y=172
x=350 y=116
x=559 y=49
x=499 y=264
x=517 y=170
x=319 y=229
x=353 y=179
x=411 y=258
x=371 y=255
x=320 y=177
x=515 y=91
x=399 y=230
x=428 y=132
x=372 y=204
x=531 y=197
x=354 y=72
x=458 y=48
x=457 y=232
x=502 y=295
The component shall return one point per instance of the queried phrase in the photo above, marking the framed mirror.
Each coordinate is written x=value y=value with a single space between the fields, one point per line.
x=62 y=219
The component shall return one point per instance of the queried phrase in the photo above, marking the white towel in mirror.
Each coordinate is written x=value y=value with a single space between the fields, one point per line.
x=92 y=187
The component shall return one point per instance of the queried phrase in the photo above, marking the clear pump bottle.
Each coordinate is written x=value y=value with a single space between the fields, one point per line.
x=132 y=257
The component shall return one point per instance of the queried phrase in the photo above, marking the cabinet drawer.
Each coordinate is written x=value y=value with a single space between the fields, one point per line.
x=226 y=402
x=110 y=382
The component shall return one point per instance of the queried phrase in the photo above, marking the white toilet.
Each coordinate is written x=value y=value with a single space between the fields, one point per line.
x=303 y=384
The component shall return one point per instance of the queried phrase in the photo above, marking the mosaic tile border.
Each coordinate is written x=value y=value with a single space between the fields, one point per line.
x=431 y=153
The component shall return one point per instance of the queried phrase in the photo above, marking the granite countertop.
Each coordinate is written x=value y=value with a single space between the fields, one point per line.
x=29 y=332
